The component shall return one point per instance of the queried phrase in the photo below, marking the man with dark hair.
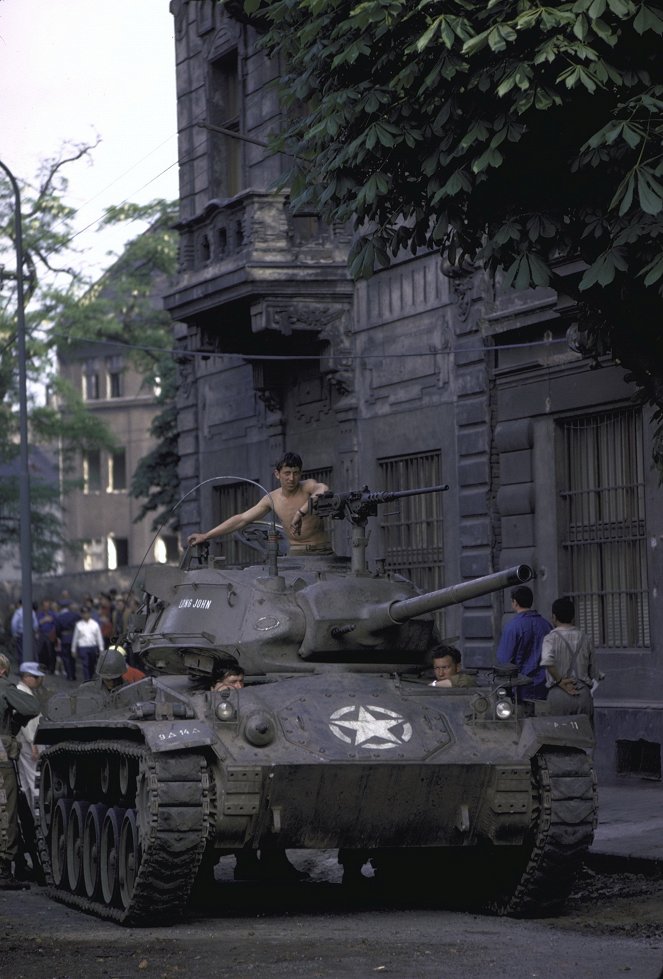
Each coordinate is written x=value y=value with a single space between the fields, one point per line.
x=568 y=657
x=230 y=679
x=290 y=502
x=447 y=669
x=521 y=642
x=16 y=709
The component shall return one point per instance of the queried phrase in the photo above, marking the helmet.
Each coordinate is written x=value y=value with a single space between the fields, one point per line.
x=111 y=664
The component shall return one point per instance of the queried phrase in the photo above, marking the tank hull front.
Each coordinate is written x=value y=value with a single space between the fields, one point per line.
x=139 y=799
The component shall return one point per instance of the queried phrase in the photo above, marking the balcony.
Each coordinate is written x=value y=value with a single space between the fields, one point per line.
x=250 y=247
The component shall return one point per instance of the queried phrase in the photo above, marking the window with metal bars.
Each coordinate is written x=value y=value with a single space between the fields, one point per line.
x=603 y=527
x=228 y=500
x=412 y=527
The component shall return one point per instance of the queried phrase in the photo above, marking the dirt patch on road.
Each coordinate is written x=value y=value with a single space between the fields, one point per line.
x=615 y=904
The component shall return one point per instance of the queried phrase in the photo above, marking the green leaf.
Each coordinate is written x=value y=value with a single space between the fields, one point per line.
x=647 y=19
x=622 y=8
x=540 y=272
x=653 y=271
x=428 y=35
x=625 y=193
x=650 y=192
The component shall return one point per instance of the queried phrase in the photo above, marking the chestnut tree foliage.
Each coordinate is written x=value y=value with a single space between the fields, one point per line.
x=514 y=134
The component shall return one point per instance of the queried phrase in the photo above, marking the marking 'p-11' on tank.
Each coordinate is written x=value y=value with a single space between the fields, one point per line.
x=337 y=740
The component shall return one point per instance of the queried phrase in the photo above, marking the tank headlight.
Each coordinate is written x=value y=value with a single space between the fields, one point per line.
x=504 y=709
x=225 y=711
x=259 y=729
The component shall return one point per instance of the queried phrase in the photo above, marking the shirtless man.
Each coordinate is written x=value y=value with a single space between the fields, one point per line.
x=305 y=533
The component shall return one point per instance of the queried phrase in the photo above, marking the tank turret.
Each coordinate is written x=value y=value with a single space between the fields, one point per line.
x=305 y=611
x=337 y=740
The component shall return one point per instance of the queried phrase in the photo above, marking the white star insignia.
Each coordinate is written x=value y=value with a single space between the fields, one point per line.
x=371 y=727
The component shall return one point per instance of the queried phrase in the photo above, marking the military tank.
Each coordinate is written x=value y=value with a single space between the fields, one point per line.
x=337 y=740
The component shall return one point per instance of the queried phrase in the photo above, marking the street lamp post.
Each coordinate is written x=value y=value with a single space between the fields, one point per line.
x=25 y=529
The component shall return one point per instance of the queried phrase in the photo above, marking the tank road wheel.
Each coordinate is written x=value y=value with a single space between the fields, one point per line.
x=59 y=842
x=105 y=776
x=126 y=776
x=128 y=858
x=75 y=831
x=108 y=855
x=72 y=774
x=91 y=851
x=51 y=788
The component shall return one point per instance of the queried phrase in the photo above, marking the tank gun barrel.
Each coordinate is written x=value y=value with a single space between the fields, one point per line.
x=406 y=609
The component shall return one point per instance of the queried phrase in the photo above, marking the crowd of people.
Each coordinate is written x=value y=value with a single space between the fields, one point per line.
x=69 y=634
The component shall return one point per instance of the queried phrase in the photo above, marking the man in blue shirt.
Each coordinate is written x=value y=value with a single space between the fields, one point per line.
x=521 y=643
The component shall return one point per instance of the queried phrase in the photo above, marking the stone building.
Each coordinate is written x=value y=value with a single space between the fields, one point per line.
x=98 y=509
x=411 y=378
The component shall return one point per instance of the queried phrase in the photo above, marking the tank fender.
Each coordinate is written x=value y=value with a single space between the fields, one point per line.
x=565 y=731
x=178 y=735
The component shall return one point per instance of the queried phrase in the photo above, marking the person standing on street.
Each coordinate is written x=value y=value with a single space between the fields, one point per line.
x=31 y=679
x=568 y=657
x=521 y=642
x=16 y=709
x=18 y=626
x=87 y=642
x=65 y=622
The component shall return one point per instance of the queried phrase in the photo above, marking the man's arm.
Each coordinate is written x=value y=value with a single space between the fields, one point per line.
x=567 y=683
x=313 y=488
x=236 y=522
x=24 y=704
x=507 y=645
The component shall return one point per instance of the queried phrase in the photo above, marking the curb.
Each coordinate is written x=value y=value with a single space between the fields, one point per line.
x=617 y=863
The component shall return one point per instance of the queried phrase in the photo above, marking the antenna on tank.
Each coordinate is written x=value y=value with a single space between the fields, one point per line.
x=272 y=539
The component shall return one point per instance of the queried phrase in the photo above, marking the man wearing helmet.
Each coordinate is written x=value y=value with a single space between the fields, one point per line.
x=111 y=667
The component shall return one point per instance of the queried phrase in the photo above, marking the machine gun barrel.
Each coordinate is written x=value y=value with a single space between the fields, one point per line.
x=386 y=496
x=363 y=503
x=408 y=608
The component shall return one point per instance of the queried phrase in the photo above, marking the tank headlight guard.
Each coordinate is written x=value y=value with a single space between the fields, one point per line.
x=503 y=705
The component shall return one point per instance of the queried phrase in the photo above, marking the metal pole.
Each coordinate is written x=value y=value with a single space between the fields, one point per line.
x=25 y=529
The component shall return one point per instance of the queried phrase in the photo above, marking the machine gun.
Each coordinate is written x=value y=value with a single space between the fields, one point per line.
x=358 y=506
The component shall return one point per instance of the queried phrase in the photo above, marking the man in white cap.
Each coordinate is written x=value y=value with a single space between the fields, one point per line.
x=32 y=678
x=16 y=708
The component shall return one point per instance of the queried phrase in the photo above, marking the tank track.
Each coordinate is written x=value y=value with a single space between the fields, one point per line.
x=564 y=820
x=159 y=849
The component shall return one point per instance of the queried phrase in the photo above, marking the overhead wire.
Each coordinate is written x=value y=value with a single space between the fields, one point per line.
x=207 y=354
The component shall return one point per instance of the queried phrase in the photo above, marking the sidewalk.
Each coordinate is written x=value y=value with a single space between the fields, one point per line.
x=630 y=826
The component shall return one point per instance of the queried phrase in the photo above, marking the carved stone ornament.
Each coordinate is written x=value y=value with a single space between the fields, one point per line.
x=461 y=278
x=290 y=318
